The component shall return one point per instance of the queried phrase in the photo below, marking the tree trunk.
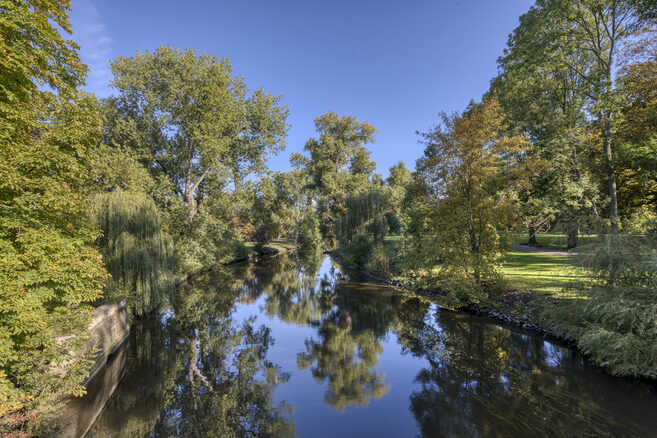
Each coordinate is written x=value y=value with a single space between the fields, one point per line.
x=190 y=202
x=532 y=236
x=573 y=233
x=611 y=174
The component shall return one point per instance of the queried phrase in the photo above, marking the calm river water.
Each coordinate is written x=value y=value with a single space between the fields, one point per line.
x=296 y=346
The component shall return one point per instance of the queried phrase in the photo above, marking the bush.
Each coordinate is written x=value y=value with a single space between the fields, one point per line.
x=618 y=308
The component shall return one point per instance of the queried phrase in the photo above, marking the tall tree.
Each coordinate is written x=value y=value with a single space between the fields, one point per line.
x=637 y=134
x=202 y=119
x=598 y=27
x=339 y=165
x=462 y=200
x=545 y=97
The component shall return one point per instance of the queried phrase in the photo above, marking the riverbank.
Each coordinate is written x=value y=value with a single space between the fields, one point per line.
x=516 y=306
x=506 y=317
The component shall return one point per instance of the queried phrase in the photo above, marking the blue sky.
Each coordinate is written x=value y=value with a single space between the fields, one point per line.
x=396 y=64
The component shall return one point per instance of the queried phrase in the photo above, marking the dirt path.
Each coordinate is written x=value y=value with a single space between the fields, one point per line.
x=527 y=248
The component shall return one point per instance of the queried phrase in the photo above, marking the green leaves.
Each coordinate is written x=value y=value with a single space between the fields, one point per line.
x=462 y=198
x=338 y=166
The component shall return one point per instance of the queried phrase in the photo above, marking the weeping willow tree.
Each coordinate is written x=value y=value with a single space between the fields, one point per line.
x=137 y=254
x=361 y=229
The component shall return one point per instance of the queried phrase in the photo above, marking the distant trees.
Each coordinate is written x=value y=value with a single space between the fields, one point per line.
x=396 y=186
x=338 y=165
x=360 y=231
x=463 y=202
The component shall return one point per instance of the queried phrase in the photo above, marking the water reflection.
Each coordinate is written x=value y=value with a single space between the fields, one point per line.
x=294 y=346
x=198 y=372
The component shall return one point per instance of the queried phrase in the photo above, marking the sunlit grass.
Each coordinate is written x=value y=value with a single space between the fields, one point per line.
x=540 y=272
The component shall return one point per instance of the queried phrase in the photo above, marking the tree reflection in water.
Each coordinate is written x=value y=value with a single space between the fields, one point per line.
x=484 y=380
x=201 y=374
x=350 y=326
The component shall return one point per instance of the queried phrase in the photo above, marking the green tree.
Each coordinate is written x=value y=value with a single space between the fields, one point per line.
x=338 y=166
x=637 y=134
x=545 y=97
x=463 y=201
x=49 y=271
x=199 y=131
x=397 y=183
x=599 y=28
x=138 y=255
x=203 y=116
x=362 y=227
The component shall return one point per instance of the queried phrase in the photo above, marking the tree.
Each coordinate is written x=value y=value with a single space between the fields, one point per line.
x=397 y=184
x=545 y=97
x=598 y=27
x=362 y=227
x=338 y=166
x=199 y=131
x=637 y=134
x=201 y=118
x=138 y=255
x=464 y=201
x=49 y=270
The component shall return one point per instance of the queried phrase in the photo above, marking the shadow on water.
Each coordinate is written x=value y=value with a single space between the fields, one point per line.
x=296 y=346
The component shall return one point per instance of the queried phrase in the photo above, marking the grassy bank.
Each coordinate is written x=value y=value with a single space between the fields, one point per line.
x=533 y=281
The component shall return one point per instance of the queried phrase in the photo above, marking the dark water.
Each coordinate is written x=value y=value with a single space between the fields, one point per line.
x=295 y=347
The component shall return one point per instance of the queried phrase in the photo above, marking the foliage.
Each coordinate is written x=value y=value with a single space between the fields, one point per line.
x=35 y=53
x=545 y=95
x=49 y=272
x=378 y=262
x=637 y=147
x=617 y=323
x=362 y=225
x=338 y=166
x=137 y=254
x=396 y=186
x=309 y=235
x=199 y=131
x=461 y=200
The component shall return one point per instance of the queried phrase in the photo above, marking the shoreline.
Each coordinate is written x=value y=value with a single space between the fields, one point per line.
x=500 y=317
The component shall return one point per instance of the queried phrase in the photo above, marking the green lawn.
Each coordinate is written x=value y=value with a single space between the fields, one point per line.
x=539 y=272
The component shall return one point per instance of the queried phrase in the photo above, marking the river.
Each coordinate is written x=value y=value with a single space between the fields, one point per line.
x=297 y=346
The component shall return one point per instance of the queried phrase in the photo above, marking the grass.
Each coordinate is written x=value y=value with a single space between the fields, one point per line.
x=543 y=273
